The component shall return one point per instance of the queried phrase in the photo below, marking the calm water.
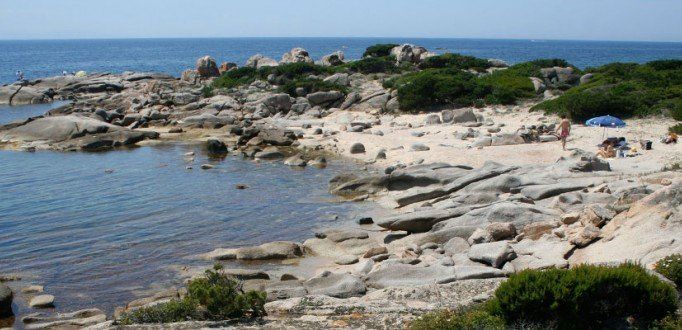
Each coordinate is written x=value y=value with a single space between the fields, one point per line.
x=48 y=58
x=96 y=239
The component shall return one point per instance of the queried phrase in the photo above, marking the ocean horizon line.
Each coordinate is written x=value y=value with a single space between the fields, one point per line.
x=337 y=37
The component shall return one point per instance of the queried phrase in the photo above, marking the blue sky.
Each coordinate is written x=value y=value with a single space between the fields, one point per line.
x=649 y=20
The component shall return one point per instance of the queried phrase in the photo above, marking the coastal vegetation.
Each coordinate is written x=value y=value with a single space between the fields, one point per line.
x=582 y=297
x=288 y=77
x=213 y=297
x=623 y=90
x=379 y=50
x=671 y=268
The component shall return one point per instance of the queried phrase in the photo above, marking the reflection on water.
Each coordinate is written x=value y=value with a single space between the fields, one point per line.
x=94 y=238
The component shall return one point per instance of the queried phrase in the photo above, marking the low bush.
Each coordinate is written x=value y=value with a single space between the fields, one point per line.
x=437 y=87
x=368 y=65
x=379 y=50
x=455 y=61
x=623 y=90
x=236 y=77
x=215 y=297
x=207 y=91
x=584 y=297
x=172 y=311
x=671 y=266
x=672 y=322
x=284 y=73
x=474 y=318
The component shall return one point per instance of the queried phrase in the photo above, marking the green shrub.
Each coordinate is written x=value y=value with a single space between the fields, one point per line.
x=436 y=87
x=215 y=297
x=236 y=77
x=455 y=61
x=386 y=64
x=172 y=311
x=584 y=297
x=476 y=318
x=207 y=91
x=379 y=50
x=223 y=298
x=672 y=322
x=671 y=266
x=293 y=70
x=623 y=90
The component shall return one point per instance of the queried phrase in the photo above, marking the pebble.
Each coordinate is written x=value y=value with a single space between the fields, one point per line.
x=42 y=301
x=206 y=166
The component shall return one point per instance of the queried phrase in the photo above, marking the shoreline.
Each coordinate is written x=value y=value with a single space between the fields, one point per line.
x=465 y=200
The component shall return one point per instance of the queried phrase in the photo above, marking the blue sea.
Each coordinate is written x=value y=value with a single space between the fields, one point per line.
x=41 y=58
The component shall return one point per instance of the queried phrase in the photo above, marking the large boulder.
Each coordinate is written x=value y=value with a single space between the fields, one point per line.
x=507 y=139
x=5 y=301
x=338 y=79
x=333 y=59
x=57 y=129
x=72 y=320
x=494 y=254
x=321 y=98
x=296 y=55
x=258 y=61
x=408 y=53
x=336 y=285
x=267 y=251
x=459 y=116
x=20 y=95
x=207 y=120
x=207 y=67
x=397 y=275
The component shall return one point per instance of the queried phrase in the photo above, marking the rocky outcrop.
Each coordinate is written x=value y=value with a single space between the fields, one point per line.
x=73 y=132
x=296 y=55
x=206 y=67
x=334 y=59
x=258 y=61
x=409 y=53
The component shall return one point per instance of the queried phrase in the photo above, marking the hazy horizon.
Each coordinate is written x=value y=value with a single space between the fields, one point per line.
x=580 y=20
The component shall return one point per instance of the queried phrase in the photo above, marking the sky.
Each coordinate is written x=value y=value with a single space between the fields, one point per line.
x=630 y=20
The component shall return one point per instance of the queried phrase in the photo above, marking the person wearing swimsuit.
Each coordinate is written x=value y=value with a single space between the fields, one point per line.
x=564 y=131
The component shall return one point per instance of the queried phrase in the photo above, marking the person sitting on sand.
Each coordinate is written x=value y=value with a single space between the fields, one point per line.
x=565 y=128
x=607 y=150
x=671 y=138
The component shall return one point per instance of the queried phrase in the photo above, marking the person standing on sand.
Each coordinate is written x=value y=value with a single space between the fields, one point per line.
x=565 y=128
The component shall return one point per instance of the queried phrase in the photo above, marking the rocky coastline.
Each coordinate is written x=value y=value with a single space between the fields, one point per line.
x=455 y=227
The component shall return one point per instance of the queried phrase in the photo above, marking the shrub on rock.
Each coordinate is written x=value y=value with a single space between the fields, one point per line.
x=455 y=61
x=584 y=297
x=216 y=296
x=671 y=268
x=475 y=318
x=379 y=50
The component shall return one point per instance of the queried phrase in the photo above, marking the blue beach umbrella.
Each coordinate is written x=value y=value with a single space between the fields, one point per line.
x=606 y=122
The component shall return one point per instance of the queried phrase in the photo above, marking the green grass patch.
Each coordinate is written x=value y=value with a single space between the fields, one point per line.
x=214 y=297
x=284 y=73
x=623 y=90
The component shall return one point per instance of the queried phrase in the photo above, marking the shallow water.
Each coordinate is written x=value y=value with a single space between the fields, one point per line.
x=42 y=58
x=9 y=114
x=95 y=239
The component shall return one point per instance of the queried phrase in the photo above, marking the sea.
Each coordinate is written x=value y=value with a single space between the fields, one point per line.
x=41 y=58
x=101 y=229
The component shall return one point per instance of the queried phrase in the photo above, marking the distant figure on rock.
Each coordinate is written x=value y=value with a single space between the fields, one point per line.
x=564 y=131
x=20 y=76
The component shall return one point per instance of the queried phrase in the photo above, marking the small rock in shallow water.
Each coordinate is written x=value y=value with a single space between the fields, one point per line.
x=108 y=171
x=357 y=148
x=206 y=166
x=42 y=301
x=241 y=186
